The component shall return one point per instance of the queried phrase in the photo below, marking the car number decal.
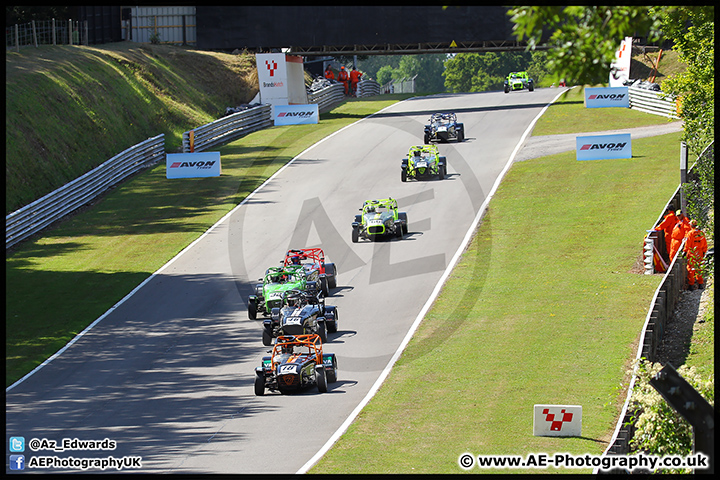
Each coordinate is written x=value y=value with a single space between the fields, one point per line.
x=293 y=320
x=286 y=369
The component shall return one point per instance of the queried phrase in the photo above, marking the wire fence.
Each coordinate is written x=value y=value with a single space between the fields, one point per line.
x=46 y=32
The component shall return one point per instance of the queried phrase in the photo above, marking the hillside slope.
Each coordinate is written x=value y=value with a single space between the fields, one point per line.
x=70 y=108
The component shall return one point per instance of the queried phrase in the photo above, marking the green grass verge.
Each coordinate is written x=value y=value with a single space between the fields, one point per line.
x=92 y=260
x=544 y=307
x=569 y=115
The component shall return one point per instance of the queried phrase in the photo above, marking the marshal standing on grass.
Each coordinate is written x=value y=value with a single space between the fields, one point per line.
x=695 y=249
x=667 y=226
x=680 y=231
x=344 y=78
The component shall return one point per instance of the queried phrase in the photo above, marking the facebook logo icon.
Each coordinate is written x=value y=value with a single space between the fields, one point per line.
x=17 y=462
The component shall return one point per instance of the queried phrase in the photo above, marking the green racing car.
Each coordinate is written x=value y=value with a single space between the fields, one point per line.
x=277 y=280
x=422 y=162
x=379 y=218
x=518 y=81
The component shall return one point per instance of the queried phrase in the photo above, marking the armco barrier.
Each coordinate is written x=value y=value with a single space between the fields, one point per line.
x=368 y=88
x=650 y=101
x=227 y=129
x=328 y=98
x=52 y=207
x=234 y=126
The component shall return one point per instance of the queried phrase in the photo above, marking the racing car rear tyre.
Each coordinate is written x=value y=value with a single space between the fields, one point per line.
x=322 y=331
x=267 y=338
x=320 y=378
x=259 y=385
x=332 y=325
x=324 y=287
x=332 y=279
x=331 y=375
x=403 y=217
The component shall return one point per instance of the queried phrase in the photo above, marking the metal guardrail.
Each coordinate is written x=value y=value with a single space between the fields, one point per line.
x=650 y=101
x=227 y=129
x=234 y=126
x=44 y=211
x=368 y=88
x=327 y=98
x=41 y=213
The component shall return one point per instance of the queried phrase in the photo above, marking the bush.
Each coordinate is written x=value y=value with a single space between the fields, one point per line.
x=660 y=430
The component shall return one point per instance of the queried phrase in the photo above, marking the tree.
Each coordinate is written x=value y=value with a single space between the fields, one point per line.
x=427 y=67
x=384 y=75
x=583 y=39
x=482 y=72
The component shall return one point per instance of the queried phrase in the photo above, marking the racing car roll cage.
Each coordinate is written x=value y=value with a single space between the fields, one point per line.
x=433 y=166
x=313 y=342
x=370 y=206
x=327 y=271
x=443 y=127
x=323 y=365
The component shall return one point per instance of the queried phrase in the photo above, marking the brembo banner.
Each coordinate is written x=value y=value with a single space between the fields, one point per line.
x=607 y=97
x=188 y=165
x=295 y=114
x=603 y=147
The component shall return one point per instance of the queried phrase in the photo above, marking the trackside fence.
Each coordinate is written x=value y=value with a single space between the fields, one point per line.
x=34 y=217
x=227 y=129
x=234 y=126
x=650 y=101
x=46 y=32
x=368 y=88
x=404 y=85
x=328 y=98
x=45 y=211
x=661 y=311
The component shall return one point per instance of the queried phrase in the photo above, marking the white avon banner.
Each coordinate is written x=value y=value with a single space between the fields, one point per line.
x=188 y=165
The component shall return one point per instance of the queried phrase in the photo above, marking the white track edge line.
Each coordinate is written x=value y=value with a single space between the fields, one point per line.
x=184 y=250
x=466 y=240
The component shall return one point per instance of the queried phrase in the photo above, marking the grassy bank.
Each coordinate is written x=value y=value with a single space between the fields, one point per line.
x=70 y=108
